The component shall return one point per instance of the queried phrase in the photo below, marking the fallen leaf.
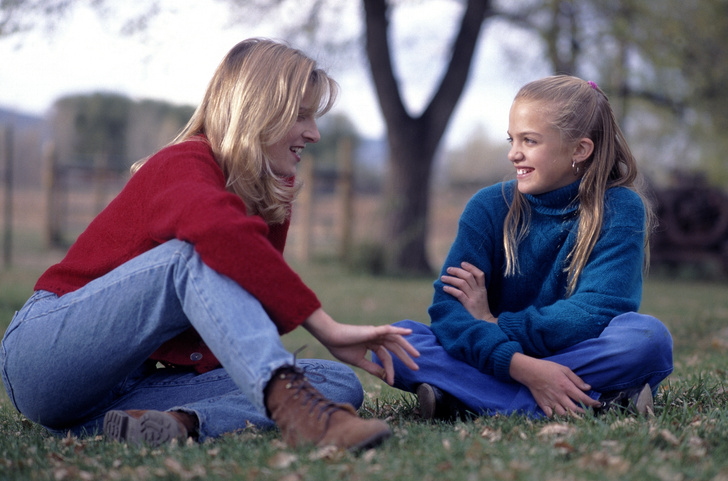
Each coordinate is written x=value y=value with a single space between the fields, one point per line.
x=282 y=460
x=669 y=437
x=556 y=429
x=492 y=435
x=326 y=452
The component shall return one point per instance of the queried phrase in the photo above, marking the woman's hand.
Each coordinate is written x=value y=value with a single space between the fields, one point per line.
x=467 y=284
x=350 y=344
x=556 y=388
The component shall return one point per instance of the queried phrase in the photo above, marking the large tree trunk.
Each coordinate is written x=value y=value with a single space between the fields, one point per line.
x=414 y=140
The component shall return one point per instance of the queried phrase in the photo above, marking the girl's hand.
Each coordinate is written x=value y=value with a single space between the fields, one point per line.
x=350 y=344
x=556 y=388
x=467 y=284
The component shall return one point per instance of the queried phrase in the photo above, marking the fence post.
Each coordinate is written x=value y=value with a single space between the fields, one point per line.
x=345 y=188
x=50 y=181
x=7 y=154
x=305 y=200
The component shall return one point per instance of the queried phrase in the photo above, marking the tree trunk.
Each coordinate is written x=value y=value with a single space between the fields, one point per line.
x=413 y=141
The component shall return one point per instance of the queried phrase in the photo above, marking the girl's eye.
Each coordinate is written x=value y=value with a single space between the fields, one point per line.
x=510 y=140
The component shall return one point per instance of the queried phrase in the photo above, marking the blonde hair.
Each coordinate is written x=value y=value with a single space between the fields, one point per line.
x=251 y=102
x=579 y=110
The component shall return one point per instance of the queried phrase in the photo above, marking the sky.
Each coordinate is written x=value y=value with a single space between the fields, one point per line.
x=175 y=57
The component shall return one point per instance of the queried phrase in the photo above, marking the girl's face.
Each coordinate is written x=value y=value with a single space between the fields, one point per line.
x=541 y=159
x=285 y=154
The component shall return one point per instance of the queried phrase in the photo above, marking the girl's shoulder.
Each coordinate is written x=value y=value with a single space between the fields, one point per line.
x=490 y=202
x=623 y=206
x=496 y=195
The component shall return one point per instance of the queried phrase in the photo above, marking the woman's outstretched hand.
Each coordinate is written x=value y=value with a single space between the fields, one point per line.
x=467 y=284
x=350 y=344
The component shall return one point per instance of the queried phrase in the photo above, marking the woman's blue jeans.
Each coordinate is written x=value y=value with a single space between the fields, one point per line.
x=633 y=349
x=68 y=360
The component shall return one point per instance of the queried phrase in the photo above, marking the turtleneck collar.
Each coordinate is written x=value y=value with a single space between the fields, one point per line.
x=557 y=202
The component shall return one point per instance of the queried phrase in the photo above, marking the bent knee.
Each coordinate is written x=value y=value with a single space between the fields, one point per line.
x=648 y=336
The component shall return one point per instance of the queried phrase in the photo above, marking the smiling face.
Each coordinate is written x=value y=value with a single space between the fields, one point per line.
x=285 y=154
x=541 y=158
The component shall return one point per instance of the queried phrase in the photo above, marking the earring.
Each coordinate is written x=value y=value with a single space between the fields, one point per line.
x=574 y=167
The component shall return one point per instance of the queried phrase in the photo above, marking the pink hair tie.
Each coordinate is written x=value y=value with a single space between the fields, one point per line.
x=593 y=85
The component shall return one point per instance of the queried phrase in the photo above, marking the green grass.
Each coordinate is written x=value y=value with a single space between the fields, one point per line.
x=686 y=439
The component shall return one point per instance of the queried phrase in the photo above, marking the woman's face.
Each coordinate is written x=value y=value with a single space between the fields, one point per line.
x=542 y=160
x=285 y=154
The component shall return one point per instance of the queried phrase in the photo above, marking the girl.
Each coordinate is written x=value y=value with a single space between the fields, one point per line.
x=535 y=311
x=184 y=269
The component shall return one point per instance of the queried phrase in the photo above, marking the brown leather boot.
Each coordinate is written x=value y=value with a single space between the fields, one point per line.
x=304 y=415
x=150 y=427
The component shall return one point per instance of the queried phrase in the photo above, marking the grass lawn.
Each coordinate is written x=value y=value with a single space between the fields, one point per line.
x=686 y=439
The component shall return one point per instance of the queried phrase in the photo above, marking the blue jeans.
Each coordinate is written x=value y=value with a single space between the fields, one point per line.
x=68 y=360
x=633 y=349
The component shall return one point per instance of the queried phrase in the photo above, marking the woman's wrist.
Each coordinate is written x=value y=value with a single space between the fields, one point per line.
x=319 y=324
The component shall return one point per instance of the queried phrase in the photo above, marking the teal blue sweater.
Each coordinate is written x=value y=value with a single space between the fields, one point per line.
x=534 y=315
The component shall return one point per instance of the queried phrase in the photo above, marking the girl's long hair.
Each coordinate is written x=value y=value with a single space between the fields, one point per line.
x=251 y=102
x=579 y=109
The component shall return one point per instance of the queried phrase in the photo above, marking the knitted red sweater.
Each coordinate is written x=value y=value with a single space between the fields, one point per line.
x=179 y=193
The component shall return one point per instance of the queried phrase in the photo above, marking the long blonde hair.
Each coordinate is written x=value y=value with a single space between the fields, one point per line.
x=579 y=109
x=251 y=102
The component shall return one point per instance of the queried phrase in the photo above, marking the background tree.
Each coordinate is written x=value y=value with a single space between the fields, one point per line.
x=654 y=59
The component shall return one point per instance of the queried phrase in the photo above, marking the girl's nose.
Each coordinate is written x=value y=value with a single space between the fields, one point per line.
x=514 y=155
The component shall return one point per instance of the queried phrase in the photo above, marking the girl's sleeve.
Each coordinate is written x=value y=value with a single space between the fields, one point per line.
x=610 y=285
x=479 y=343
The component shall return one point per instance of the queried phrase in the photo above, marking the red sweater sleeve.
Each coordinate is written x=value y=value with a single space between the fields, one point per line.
x=180 y=194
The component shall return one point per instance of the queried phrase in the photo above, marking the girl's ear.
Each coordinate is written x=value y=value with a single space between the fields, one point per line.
x=582 y=151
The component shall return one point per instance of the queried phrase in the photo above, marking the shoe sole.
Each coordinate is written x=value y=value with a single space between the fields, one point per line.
x=644 y=403
x=428 y=401
x=371 y=442
x=154 y=428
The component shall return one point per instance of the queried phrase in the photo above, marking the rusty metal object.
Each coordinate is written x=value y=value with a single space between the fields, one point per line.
x=693 y=223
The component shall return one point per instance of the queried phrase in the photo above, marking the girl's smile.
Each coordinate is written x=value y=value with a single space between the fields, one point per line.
x=543 y=161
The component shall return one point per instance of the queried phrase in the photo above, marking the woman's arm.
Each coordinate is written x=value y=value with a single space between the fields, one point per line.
x=351 y=343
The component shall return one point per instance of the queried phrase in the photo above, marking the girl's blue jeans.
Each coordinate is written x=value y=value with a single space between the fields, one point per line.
x=68 y=360
x=634 y=349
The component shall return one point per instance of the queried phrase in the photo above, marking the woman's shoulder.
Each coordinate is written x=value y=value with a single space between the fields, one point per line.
x=194 y=154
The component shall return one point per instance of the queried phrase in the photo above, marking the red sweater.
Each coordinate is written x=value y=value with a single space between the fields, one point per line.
x=179 y=193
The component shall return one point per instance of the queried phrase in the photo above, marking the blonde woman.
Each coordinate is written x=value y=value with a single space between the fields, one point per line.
x=536 y=308
x=164 y=319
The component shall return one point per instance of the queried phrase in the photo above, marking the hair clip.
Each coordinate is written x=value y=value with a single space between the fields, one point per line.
x=593 y=85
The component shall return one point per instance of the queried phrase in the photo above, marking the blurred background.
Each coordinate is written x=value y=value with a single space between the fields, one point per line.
x=88 y=87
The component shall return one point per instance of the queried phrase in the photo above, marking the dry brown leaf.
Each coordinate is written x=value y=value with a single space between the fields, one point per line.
x=556 y=429
x=292 y=477
x=492 y=435
x=605 y=460
x=563 y=447
x=282 y=460
x=369 y=455
x=173 y=466
x=669 y=437
x=326 y=452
